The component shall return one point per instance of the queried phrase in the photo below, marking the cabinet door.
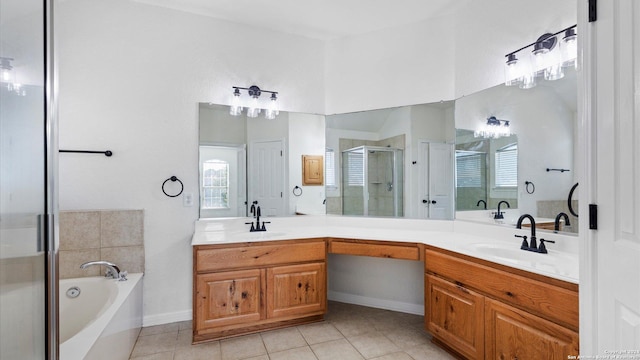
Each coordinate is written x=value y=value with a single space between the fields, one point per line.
x=295 y=290
x=514 y=334
x=229 y=298
x=455 y=316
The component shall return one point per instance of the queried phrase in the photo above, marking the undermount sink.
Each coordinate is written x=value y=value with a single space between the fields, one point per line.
x=258 y=235
x=508 y=254
x=552 y=262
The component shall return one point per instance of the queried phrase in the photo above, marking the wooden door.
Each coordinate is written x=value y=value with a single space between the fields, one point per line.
x=296 y=290
x=455 y=316
x=514 y=334
x=610 y=107
x=229 y=298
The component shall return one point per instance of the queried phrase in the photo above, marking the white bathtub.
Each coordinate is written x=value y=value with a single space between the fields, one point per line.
x=103 y=322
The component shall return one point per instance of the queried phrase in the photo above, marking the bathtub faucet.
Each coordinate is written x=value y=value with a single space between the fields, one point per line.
x=112 y=270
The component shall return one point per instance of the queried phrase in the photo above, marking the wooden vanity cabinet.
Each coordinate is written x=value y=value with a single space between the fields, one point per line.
x=515 y=334
x=482 y=310
x=248 y=287
x=455 y=316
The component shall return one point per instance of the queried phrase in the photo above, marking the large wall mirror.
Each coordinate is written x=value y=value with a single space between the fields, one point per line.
x=418 y=161
x=539 y=178
x=245 y=160
x=392 y=162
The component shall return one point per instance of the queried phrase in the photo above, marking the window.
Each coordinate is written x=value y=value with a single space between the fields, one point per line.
x=355 y=169
x=330 y=168
x=507 y=166
x=469 y=169
x=215 y=184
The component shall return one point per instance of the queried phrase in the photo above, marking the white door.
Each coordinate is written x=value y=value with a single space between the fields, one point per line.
x=610 y=255
x=266 y=176
x=435 y=162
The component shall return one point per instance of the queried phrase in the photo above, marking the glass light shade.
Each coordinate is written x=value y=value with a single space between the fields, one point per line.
x=554 y=72
x=272 y=111
x=569 y=48
x=253 y=110
x=236 y=107
x=528 y=81
x=512 y=71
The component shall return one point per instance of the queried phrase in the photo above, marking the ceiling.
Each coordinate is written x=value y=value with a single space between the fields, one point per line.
x=319 y=19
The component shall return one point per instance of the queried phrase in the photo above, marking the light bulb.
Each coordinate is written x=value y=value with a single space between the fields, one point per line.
x=569 y=48
x=236 y=107
x=272 y=111
x=513 y=71
x=253 y=110
x=528 y=81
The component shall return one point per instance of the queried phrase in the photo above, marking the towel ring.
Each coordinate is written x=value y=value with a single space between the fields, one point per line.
x=173 y=178
x=533 y=187
x=297 y=190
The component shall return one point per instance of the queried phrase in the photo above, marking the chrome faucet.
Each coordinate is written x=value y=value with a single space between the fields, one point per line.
x=112 y=270
x=498 y=215
x=557 y=223
x=482 y=201
x=532 y=245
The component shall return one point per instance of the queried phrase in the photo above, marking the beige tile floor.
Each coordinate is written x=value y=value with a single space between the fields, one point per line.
x=348 y=332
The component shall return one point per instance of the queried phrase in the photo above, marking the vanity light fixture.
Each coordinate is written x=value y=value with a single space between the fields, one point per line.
x=547 y=59
x=253 y=108
x=8 y=77
x=494 y=128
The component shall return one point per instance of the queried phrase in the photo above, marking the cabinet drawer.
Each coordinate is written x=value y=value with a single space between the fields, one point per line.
x=362 y=248
x=548 y=301
x=212 y=258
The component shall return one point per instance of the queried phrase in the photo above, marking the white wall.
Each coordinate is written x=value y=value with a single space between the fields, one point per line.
x=438 y=59
x=131 y=78
x=485 y=31
x=306 y=137
x=413 y=64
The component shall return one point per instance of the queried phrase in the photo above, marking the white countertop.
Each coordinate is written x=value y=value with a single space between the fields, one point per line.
x=488 y=242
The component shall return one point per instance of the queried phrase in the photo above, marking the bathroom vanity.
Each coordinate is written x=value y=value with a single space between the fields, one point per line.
x=247 y=287
x=482 y=300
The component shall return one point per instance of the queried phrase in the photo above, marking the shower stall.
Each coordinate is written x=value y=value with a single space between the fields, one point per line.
x=372 y=181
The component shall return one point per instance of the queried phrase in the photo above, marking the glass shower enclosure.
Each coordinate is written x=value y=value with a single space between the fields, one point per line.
x=28 y=163
x=372 y=181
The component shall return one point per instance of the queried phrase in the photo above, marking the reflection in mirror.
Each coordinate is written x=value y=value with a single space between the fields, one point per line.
x=486 y=171
x=243 y=160
x=372 y=181
x=544 y=121
x=392 y=162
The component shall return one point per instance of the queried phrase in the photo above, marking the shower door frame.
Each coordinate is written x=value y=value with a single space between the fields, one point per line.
x=365 y=167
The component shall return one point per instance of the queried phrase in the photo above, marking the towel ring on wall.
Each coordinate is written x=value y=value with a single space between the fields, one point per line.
x=529 y=190
x=297 y=190
x=173 y=178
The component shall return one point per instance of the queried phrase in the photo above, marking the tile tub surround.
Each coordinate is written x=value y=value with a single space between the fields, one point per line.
x=110 y=235
x=348 y=332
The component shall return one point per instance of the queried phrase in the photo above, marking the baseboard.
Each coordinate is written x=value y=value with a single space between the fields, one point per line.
x=417 y=309
x=186 y=315
x=166 y=318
